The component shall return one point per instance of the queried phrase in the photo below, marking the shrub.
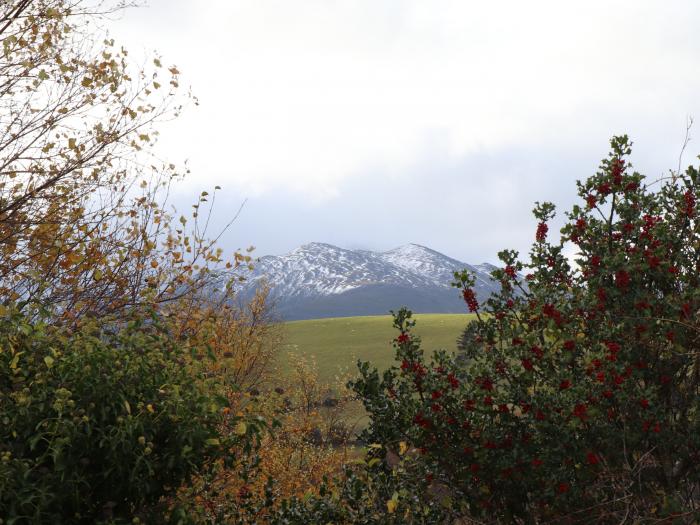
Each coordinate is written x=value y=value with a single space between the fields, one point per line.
x=98 y=424
x=366 y=493
x=310 y=443
x=576 y=394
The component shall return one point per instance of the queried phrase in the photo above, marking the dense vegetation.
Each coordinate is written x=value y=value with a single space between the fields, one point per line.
x=96 y=424
x=116 y=383
x=133 y=388
x=576 y=398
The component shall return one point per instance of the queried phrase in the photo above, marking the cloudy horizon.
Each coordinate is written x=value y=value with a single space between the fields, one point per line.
x=373 y=124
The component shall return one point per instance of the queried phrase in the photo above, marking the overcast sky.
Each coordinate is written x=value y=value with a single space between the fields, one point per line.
x=375 y=123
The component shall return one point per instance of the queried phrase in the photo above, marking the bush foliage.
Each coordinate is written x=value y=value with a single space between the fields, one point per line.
x=576 y=392
x=98 y=425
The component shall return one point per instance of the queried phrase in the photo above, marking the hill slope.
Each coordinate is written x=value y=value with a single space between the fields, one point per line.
x=337 y=343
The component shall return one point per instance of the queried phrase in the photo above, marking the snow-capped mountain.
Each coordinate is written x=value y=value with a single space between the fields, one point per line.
x=320 y=280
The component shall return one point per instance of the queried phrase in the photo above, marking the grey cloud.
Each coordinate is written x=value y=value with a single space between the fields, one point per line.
x=469 y=207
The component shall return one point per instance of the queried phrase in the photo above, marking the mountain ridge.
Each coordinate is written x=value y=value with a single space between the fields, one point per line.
x=319 y=280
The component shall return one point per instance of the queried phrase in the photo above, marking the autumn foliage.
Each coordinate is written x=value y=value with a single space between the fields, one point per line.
x=83 y=222
x=118 y=360
x=159 y=381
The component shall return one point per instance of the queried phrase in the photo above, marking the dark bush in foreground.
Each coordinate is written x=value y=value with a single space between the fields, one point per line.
x=576 y=398
x=97 y=426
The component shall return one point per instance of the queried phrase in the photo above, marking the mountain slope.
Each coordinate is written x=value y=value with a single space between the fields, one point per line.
x=320 y=280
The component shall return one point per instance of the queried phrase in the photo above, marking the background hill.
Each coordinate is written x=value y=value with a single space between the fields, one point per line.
x=320 y=280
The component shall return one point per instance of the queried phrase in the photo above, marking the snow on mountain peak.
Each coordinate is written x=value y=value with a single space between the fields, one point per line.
x=311 y=275
x=424 y=261
x=320 y=268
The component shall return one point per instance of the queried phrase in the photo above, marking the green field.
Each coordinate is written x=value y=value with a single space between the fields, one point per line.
x=337 y=343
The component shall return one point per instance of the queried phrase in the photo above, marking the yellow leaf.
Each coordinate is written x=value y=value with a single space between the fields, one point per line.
x=391 y=506
x=15 y=360
x=49 y=361
x=403 y=447
x=240 y=429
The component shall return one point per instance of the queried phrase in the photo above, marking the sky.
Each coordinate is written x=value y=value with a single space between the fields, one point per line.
x=376 y=123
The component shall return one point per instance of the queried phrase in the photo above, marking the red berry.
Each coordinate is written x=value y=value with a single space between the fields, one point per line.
x=622 y=279
x=470 y=298
x=592 y=458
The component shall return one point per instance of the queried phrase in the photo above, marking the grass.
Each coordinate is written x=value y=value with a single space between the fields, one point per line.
x=337 y=343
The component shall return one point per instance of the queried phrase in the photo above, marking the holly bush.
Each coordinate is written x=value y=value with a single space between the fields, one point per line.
x=100 y=424
x=575 y=395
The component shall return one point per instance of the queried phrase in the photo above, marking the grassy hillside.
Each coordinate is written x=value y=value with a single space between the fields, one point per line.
x=338 y=342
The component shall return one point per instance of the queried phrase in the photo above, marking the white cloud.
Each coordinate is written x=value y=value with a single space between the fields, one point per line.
x=376 y=122
x=306 y=94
